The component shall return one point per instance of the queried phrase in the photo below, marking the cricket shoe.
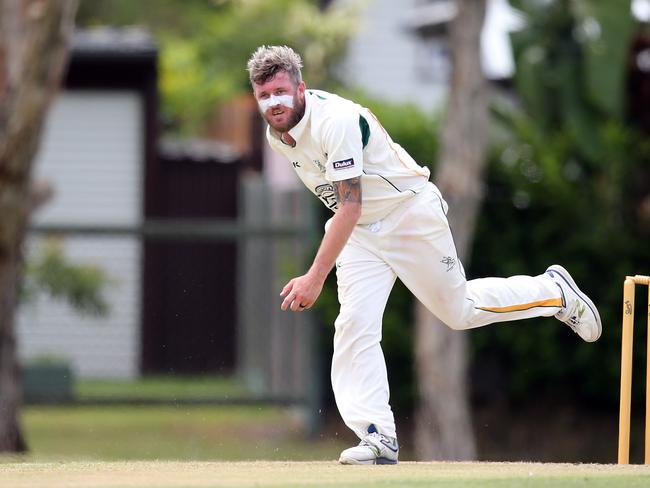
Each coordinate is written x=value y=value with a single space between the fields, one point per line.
x=375 y=448
x=578 y=312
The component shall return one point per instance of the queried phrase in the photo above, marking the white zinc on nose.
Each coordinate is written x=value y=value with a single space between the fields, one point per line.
x=273 y=100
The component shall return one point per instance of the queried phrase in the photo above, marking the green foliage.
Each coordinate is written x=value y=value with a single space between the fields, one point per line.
x=567 y=188
x=205 y=45
x=79 y=285
x=547 y=205
x=181 y=16
x=571 y=61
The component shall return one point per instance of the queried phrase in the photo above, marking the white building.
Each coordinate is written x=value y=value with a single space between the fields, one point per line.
x=401 y=51
x=93 y=153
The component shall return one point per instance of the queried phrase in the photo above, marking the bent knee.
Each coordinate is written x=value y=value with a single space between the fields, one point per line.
x=354 y=333
x=357 y=321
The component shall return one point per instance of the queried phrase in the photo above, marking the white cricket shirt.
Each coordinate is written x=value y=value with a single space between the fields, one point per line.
x=337 y=139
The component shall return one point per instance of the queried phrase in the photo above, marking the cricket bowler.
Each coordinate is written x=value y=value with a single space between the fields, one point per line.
x=389 y=222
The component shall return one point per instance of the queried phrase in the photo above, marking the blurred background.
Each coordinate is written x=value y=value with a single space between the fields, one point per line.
x=149 y=325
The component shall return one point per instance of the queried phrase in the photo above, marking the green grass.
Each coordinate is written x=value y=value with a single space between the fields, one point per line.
x=320 y=475
x=162 y=387
x=170 y=432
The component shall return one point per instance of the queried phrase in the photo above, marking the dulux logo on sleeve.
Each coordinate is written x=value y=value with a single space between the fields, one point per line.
x=344 y=164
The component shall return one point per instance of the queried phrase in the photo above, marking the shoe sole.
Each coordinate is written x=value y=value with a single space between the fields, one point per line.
x=380 y=460
x=564 y=274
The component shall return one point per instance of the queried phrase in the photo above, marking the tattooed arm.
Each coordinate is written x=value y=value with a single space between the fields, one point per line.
x=348 y=191
x=301 y=292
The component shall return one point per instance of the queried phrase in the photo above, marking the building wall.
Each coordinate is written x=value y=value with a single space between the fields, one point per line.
x=389 y=61
x=96 y=347
x=387 y=58
x=91 y=152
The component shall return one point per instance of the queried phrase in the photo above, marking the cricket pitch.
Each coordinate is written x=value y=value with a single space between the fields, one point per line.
x=148 y=474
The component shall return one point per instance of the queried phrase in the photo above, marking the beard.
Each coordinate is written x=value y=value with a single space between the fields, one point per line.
x=294 y=115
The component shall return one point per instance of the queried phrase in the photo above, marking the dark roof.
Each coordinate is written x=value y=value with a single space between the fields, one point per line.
x=197 y=151
x=114 y=42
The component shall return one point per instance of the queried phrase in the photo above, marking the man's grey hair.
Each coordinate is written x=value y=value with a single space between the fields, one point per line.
x=267 y=61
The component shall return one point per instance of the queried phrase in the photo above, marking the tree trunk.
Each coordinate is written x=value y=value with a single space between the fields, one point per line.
x=34 y=37
x=443 y=418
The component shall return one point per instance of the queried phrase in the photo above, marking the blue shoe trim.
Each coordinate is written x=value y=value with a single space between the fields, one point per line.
x=577 y=292
x=382 y=460
x=390 y=446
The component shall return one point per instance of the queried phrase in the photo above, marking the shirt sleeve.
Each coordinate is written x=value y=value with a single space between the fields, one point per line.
x=343 y=146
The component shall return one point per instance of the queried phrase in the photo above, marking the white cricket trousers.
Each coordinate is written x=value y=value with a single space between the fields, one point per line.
x=413 y=243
